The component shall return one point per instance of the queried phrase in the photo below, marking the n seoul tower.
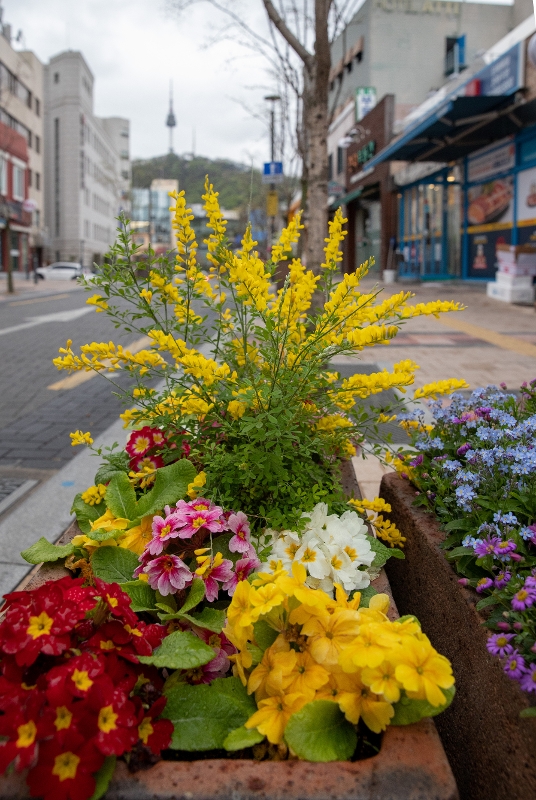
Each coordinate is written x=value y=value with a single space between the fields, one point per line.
x=171 y=122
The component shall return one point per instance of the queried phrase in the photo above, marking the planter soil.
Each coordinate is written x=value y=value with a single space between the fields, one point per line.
x=491 y=749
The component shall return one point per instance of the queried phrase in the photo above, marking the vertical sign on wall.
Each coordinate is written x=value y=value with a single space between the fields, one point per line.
x=365 y=100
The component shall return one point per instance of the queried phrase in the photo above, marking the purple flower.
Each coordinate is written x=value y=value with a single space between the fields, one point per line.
x=502 y=579
x=483 y=411
x=528 y=680
x=487 y=546
x=168 y=574
x=504 y=550
x=523 y=599
x=499 y=644
x=515 y=666
x=483 y=584
x=417 y=461
x=461 y=451
x=463 y=581
x=243 y=569
x=163 y=530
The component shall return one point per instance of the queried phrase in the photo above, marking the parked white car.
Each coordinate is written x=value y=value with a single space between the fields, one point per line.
x=61 y=271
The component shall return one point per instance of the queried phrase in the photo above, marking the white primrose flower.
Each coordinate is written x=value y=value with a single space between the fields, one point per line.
x=326 y=584
x=311 y=554
x=285 y=548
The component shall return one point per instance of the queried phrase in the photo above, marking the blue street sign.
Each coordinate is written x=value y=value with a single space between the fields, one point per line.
x=272 y=172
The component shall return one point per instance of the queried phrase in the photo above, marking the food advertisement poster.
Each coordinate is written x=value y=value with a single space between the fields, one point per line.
x=491 y=204
x=526 y=206
x=482 y=252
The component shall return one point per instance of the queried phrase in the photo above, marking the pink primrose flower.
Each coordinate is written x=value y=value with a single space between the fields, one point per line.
x=214 y=570
x=163 y=530
x=168 y=574
x=239 y=525
x=198 y=514
x=243 y=569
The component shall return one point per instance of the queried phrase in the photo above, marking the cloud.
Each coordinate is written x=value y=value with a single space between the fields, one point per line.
x=135 y=47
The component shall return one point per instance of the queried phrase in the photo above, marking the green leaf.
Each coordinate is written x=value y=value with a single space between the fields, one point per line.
x=457 y=525
x=170 y=485
x=103 y=777
x=204 y=716
x=396 y=552
x=121 y=497
x=180 y=650
x=42 y=550
x=212 y=619
x=241 y=738
x=264 y=634
x=195 y=595
x=85 y=514
x=320 y=732
x=382 y=552
x=366 y=596
x=487 y=601
x=460 y=551
x=142 y=596
x=114 y=564
x=106 y=473
x=409 y=711
x=102 y=535
x=528 y=712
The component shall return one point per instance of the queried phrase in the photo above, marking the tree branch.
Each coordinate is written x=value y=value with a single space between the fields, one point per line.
x=287 y=34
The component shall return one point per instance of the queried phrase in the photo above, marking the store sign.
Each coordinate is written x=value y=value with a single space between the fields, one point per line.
x=503 y=76
x=491 y=162
x=365 y=100
x=420 y=6
x=366 y=152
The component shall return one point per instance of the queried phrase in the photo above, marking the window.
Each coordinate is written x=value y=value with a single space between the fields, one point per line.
x=37 y=107
x=455 y=55
x=37 y=144
x=330 y=167
x=18 y=183
x=30 y=137
x=125 y=134
x=29 y=177
x=3 y=176
x=37 y=218
x=56 y=77
x=125 y=175
x=86 y=228
x=340 y=160
x=29 y=99
x=38 y=181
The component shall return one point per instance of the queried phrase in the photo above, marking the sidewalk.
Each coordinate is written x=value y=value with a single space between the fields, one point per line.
x=27 y=290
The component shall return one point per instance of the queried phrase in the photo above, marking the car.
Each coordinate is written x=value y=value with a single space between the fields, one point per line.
x=61 y=271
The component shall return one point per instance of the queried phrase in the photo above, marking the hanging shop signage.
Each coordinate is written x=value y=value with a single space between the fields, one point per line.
x=365 y=100
x=491 y=161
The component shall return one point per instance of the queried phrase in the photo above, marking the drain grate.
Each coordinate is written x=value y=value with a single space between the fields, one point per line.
x=12 y=489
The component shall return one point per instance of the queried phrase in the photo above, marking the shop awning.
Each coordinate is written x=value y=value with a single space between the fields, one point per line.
x=345 y=199
x=459 y=127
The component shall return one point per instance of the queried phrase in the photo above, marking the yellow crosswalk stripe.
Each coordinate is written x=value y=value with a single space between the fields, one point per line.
x=502 y=340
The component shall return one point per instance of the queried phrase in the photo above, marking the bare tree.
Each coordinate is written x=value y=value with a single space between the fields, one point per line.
x=304 y=69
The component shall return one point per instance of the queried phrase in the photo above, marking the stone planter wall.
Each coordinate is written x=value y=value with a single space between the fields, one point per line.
x=491 y=750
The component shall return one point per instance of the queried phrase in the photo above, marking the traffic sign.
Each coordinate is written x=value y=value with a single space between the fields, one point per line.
x=272 y=172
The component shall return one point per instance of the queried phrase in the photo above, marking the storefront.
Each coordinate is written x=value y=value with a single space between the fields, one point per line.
x=369 y=203
x=453 y=215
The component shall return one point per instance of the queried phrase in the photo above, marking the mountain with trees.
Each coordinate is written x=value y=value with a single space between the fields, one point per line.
x=238 y=184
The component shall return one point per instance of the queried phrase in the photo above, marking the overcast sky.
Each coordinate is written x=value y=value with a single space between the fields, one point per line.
x=134 y=48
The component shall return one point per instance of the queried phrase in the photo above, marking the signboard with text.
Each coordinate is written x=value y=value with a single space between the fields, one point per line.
x=272 y=172
x=365 y=100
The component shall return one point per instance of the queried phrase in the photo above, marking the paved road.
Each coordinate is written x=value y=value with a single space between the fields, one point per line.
x=35 y=421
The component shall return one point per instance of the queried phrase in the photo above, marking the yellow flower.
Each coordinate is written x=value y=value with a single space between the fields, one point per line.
x=330 y=634
x=146 y=294
x=98 y=301
x=236 y=409
x=274 y=713
x=433 y=390
x=308 y=675
x=422 y=671
x=80 y=438
x=274 y=674
x=359 y=702
x=198 y=482
x=94 y=495
x=138 y=537
x=108 y=522
x=264 y=599
x=382 y=681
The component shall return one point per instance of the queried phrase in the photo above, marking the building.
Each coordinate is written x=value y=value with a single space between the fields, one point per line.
x=22 y=232
x=464 y=168
x=87 y=164
x=150 y=216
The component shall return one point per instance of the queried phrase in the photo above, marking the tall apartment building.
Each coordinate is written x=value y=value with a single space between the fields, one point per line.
x=22 y=232
x=87 y=164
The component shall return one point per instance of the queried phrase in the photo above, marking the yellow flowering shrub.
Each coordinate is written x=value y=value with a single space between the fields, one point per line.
x=299 y=650
x=244 y=365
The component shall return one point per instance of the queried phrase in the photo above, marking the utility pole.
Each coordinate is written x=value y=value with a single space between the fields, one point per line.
x=272 y=98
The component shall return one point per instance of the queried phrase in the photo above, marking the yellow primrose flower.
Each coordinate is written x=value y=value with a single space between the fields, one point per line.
x=308 y=675
x=382 y=681
x=80 y=438
x=107 y=522
x=138 y=537
x=330 y=634
x=264 y=599
x=275 y=672
x=360 y=702
x=274 y=713
x=422 y=671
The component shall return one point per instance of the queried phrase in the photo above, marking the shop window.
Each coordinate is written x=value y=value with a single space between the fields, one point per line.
x=18 y=183
x=528 y=150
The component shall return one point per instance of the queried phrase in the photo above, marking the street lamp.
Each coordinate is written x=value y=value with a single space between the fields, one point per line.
x=273 y=99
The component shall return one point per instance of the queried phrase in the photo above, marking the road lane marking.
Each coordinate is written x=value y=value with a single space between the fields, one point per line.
x=502 y=340
x=39 y=300
x=57 y=316
x=82 y=377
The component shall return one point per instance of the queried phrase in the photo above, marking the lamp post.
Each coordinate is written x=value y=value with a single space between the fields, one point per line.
x=273 y=99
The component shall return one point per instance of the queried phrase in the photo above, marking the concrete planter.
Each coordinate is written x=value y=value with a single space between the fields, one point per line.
x=492 y=750
x=411 y=764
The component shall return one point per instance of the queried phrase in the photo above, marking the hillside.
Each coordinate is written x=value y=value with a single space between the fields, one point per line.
x=231 y=180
